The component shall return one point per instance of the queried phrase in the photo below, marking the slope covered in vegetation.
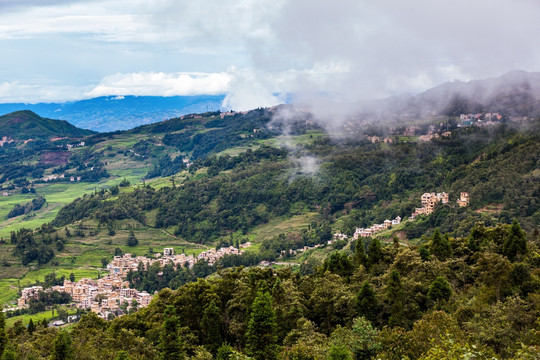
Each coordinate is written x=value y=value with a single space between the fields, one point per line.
x=450 y=298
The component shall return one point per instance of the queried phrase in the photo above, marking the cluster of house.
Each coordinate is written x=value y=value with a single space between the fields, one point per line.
x=479 y=118
x=368 y=232
x=431 y=136
x=121 y=265
x=430 y=200
x=62 y=176
x=111 y=294
x=80 y=144
x=105 y=296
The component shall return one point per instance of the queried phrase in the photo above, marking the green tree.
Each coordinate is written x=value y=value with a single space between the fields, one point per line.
x=261 y=334
x=440 y=247
x=132 y=240
x=360 y=340
x=360 y=257
x=62 y=349
x=31 y=327
x=104 y=262
x=3 y=337
x=224 y=352
x=424 y=253
x=172 y=344
x=515 y=243
x=366 y=302
x=10 y=353
x=439 y=290
x=374 y=252
x=339 y=263
x=211 y=325
x=72 y=277
x=395 y=295
x=122 y=355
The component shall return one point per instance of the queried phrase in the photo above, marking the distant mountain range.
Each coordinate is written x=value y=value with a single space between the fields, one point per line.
x=516 y=93
x=25 y=124
x=110 y=113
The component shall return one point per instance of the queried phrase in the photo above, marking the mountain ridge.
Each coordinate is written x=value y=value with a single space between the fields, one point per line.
x=112 y=113
x=26 y=124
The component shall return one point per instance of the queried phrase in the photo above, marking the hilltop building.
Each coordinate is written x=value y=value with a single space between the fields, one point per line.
x=463 y=199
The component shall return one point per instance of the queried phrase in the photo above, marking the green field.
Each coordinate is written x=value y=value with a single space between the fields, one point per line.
x=37 y=317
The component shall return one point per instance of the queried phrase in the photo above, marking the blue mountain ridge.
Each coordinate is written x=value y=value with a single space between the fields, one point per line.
x=111 y=113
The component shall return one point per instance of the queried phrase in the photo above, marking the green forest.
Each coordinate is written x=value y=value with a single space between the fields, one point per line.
x=474 y=297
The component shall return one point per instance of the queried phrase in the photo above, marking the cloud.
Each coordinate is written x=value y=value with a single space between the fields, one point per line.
x=162 y=84
x=342 y=51
x=15 y=92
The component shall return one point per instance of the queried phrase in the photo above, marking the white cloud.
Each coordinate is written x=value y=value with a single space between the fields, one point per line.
x=162 y=84
x=15 y=92
x=253 y=49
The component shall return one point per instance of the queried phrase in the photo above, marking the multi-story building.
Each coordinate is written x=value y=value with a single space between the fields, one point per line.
x=463 y=199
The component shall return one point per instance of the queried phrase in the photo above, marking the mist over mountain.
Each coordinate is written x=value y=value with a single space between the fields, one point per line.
x=110 y=113
x=516 y=93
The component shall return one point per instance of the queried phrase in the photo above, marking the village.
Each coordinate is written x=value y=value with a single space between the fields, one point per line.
x=110 y=296
x=428 y=200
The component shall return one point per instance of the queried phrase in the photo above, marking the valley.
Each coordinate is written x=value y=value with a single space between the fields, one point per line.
x=209 y=181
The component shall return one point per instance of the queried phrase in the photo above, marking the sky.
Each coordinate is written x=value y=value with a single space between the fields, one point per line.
x=255 y=51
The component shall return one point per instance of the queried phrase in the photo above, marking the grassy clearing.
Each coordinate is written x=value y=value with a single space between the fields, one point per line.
x=277 y=226
x=57 y=195
x=49 y=314
x=8 y=290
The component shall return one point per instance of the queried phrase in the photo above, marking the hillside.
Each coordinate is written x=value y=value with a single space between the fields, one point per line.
x=26 y=124
x=138 y=195
x=516 y=93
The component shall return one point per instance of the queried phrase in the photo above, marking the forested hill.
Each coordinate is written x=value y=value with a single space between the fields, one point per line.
x=462 y=280
x=26 y=124
x=452 y=298
x=358 y=182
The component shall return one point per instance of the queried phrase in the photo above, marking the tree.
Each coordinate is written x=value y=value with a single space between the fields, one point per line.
x=9 y=353
x=122 y=355
x=424 y=253
x=211 y=324
x=224 y=352
x=261 y=334
x=132 y=240
x=374 y=252
x=3 y=337
x=72 y=277
x=394 y=293
x=118 y=252
x=439 y=290
x=171 y=345
x=515 y=243
x=360 y=257
x=366 y=302
x=360 y=340
x=31 y=327
x=62 y=349
x=104 y=262
x=440 y=247
x=339 y=263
